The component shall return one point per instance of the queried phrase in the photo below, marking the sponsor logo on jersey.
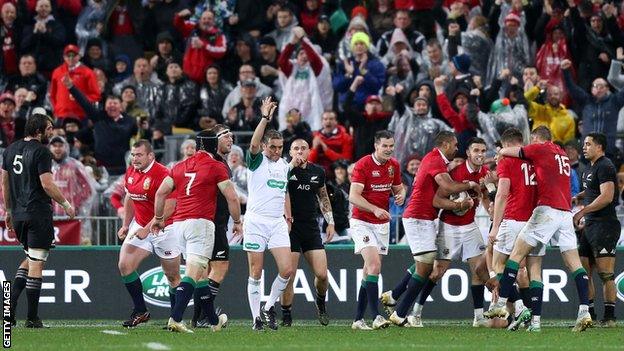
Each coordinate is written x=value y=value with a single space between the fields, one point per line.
x=376 y=174
x=303 y=187
x=130 y=180
x=276 y=184
x=314 y=179
x=391 y=171
x=619 y=286
x=252 y=246
x=220 y=253
x=147 y=183
x=156 y=287
x=293 y=177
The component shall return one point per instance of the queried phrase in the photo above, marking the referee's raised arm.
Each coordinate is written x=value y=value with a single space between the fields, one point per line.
x=267 y=110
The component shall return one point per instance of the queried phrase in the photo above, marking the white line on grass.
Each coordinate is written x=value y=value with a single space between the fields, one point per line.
x=113 y=332
x=156 y=346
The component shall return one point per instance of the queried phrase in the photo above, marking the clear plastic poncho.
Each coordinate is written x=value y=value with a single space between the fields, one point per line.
x=493 y=124
x=86 y=25
x=510 y=53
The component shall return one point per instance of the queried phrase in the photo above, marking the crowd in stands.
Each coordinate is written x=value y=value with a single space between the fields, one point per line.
x=115 y=71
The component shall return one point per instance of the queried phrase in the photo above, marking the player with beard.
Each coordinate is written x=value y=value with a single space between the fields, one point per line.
x=27 y=187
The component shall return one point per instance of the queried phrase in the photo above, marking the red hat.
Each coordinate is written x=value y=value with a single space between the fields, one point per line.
x=512 y=17
x=71 y=48
x=372 y=98
x=359 y=10
x=7 y=96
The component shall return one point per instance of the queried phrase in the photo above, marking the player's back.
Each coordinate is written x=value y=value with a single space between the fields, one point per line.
x=196 y=180
x=552 y=171
x=25 y=161
x=522 y=197
x=425 y=186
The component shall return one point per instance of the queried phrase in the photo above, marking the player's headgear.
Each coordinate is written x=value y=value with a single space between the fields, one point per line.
x=207 y=140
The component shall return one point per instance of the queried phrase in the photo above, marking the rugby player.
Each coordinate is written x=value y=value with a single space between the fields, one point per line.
x=551 y=219
x=197 y=181
x=374 y=177
x=602 y=229
x=27 y=187
x=306 y=186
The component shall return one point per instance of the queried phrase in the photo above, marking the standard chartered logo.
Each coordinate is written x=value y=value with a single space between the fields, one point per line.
x=156 y=287
x=619 y=286
x=276 y=184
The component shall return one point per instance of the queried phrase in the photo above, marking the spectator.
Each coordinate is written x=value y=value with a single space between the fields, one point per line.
x=244 y=53
x=284 y=24
x=323 y=37
x=124 y=29
x=459 y=67
x=573 y=150
x=71 y=126
x=434 y=63
x=475 y=42
x=365 y=124
x=269 y=65
x=403 y=22
x=187 y=149
x=248 y=17
x=148 y=86
x=11 y=128
x=455 y=114
x=356 y=25
x=10 y=37
x=73 y=180
x=511 y=50
x=158 y=18
x=381 y=16
x=45 y=38
x=165 y=53
x=67 y=12
x=408 y=172
x=413 y=126
x=205 y=43
x=401 y=73
x=330 y=144
x=363 y=65
x=236 y=162
x=90 y=23
x=84 y=79
x=122 y=69
x=599 y=110
x=29 y=78
x=554 y=50
x=309 y=16
x=23 y=103
x=212 y=95
x=616 y=78
x=296 y=128
x=222 y=9
x=245 y=115
x=112 y=130
x=95 y=57
x=116 y=192
x=553 y=114
x=299 y=80
x=245 y=73
x=130 y=105
x=179 y=100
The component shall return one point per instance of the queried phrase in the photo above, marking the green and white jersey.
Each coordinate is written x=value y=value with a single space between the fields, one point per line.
x=267 y=183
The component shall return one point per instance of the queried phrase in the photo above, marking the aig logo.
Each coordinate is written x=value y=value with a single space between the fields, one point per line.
x=303 y=187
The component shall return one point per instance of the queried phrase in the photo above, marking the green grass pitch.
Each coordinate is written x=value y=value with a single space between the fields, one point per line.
x=437 y=335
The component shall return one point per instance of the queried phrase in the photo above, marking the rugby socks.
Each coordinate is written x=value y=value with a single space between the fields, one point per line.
x=424 y=294
x=478 y=292
x=582 y=286
x=202 y=294
x=592 y=310
x=414 y=287
x=172 y=293
x=609 y=310
x=537 y=292
x=320 y=299
x=19 y=283
x=213 y=287
x=402 y=286
x=372 y=293
x=135 y=289
x=33 y=291
x=507 y=280
x=253 y=297
x=525 y=295
x=286 y=310
x=184 y=293
x=278 y=286
x=362 y=301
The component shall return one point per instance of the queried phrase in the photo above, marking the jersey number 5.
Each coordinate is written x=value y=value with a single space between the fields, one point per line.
x=564 y=164
x=18 y=167
x=190 y=182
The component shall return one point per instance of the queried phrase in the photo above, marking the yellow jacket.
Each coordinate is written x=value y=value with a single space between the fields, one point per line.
x=557 y=119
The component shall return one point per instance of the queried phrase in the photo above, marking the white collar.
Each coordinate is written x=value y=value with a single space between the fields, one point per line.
x=376 y=160
x=470 y=170
x=446 y=161
x=148 y=167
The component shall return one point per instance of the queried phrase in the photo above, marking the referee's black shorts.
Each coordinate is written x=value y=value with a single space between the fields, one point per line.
x=599 y=238
x=305 y=236
x=221 y=251
x=36 y=233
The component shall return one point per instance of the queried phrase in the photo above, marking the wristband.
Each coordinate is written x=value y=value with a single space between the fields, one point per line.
x=159 y=218
x=492 y=274
x=237 y=221
x=265 y=117
x=66 y=204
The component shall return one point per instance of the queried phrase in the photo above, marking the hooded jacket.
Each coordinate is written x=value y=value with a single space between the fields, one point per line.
x=557 y=119
x=178 y=104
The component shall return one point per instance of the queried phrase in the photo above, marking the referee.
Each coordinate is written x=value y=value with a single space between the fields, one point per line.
x=27 y=186
x=306 y=186
x=598 y=241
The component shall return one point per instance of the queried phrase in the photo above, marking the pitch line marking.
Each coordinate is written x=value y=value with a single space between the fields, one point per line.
x=156 y=346
x=113 y=332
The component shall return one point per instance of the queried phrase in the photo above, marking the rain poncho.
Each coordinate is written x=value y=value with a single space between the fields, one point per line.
x=88 y=19
x=491 y=125
x=414 y=134
x=478 y=46
x=510 y=53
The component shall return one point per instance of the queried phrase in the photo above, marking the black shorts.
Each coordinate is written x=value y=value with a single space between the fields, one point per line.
x=36 y=233
x=599 y=238
x=221 y=251
x=305 y=236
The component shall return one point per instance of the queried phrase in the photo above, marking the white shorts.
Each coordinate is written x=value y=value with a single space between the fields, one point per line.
x=261 y=233
x=459 y=241
x=507 y=234
x=547 y=223
x=366 y=234
x=164 y=245
x=421 y=235
x=197 y=236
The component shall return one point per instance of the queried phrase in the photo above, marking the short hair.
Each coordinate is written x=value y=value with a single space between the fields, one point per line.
x=114 y=97
x=475 y=140
x=543 y=133
x=383 y=134
x=299 y=139
x=330 y=112
x=186 y=143
x=444 y=136
x=218 y=127
x=600 y=139
x=27 y=55
x=37 y=123
x=434 y=42
x=512 y=135
x=143 y=142
x=271 y=134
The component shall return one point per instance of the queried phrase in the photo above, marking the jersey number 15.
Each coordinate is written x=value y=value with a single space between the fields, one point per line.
x=564 y=164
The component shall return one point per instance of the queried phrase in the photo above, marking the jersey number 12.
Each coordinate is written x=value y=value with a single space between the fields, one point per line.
x=529 y=178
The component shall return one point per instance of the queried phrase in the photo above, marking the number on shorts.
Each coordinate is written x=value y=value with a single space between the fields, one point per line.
x=18 y=166
x=529 y=179
x=564 y=164
x=190 y=182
